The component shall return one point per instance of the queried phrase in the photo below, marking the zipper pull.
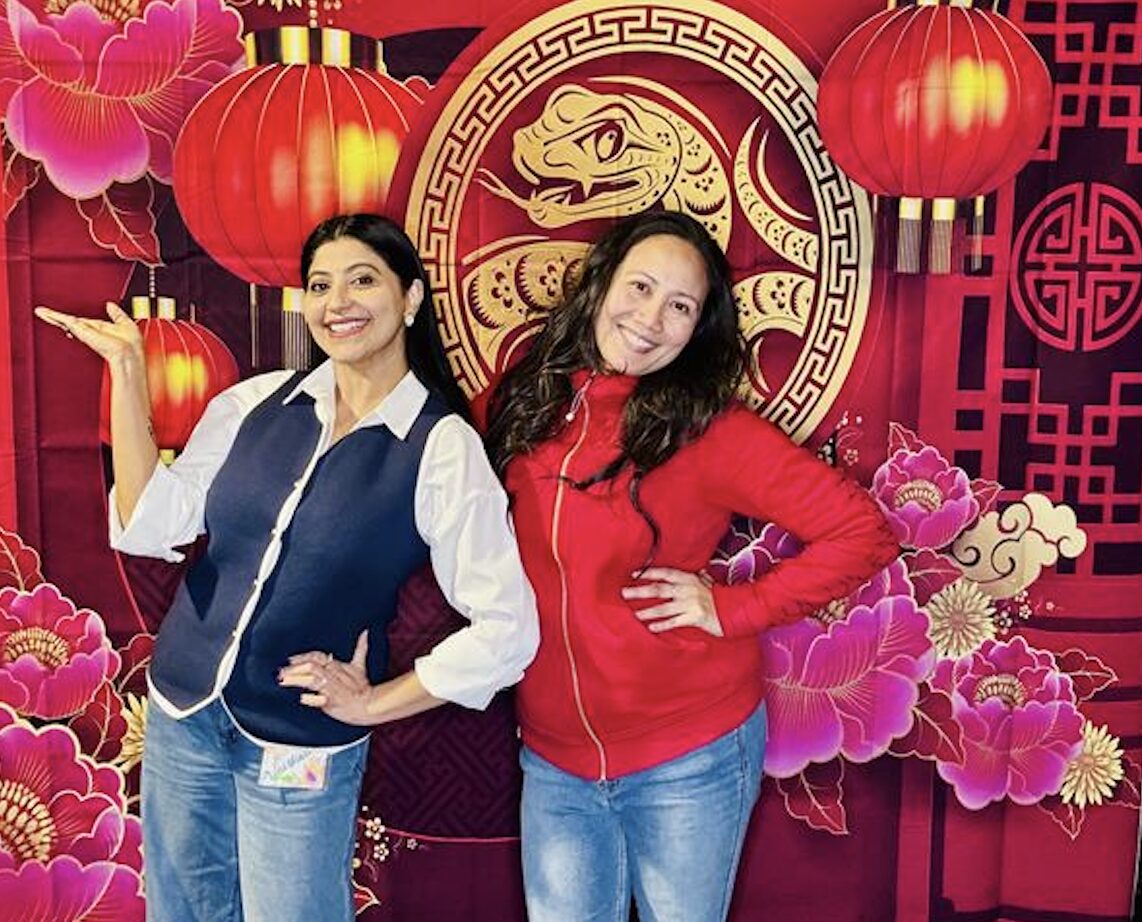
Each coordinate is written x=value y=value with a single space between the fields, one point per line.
x=580 y=395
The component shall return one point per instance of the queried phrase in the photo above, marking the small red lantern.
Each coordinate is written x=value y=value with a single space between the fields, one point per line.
x=934 y=102
x=274 y=149
x=186 y=366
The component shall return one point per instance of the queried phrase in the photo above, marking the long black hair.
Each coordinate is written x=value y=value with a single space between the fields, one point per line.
x=669 y=406
x=423 y=348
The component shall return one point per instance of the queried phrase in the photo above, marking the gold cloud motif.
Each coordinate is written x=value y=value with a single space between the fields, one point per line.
x=1004 y=552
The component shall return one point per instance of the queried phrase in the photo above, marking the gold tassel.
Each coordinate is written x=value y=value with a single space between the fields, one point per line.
x=295 y=337
x=908 y=235
x=940 y=241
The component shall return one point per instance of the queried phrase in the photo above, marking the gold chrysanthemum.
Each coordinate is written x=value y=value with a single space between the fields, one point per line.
x=837 y=610
x=27 y=827
x=114 y=10
x=961 y=618
x=131 y=751
x=1091 y=777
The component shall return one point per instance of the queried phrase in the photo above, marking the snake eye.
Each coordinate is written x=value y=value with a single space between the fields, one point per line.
x=608 y=143
x=604 y=142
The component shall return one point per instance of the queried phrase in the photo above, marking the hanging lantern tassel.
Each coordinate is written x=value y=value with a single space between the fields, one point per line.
x=165 y=310
x=296 y=352
x=908 y=235
x=977 y=216
x=940 y=241
x=253 y=325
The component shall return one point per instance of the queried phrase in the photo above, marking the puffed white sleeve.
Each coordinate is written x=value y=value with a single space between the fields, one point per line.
x=170 y=512
x=462 y=514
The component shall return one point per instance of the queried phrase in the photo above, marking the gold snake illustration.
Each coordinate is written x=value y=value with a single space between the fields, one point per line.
x=592 y=155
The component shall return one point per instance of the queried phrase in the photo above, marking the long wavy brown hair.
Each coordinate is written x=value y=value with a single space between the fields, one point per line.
x=668 y=407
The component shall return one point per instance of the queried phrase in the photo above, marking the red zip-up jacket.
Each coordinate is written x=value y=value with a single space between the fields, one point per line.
x=605 y=696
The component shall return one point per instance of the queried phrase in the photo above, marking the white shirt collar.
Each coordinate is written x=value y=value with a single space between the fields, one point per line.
x=398 y=409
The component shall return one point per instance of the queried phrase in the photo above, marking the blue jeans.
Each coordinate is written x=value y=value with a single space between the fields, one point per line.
x=221 y=848
x=670 y=835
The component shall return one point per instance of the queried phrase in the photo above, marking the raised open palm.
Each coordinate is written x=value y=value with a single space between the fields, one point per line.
x=116 y=339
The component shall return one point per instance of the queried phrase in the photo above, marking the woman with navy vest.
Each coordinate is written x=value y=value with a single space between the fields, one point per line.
x=320 y=494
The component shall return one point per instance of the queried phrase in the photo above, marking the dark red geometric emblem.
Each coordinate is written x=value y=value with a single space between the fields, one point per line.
x=1076 y=276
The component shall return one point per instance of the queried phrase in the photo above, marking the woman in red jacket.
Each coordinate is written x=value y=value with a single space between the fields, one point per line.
x=625 y=456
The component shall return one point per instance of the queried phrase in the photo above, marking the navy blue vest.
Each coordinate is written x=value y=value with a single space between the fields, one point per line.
x=351 y=544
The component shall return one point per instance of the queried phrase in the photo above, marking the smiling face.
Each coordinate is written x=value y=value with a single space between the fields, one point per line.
x=652 y=306
x=355 y=307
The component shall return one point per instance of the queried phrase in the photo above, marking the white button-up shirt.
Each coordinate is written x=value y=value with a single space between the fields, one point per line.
x=460 y=512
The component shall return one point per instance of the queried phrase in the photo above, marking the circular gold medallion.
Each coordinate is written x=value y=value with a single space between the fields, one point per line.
x=598 y=109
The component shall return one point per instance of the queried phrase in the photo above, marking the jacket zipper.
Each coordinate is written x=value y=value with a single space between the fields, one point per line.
x=564 y=613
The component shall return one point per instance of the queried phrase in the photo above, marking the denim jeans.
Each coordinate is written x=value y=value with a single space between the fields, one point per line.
x=219 y=847
x=670 y=835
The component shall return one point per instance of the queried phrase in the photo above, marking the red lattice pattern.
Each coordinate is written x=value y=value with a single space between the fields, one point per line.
x=1093 y=65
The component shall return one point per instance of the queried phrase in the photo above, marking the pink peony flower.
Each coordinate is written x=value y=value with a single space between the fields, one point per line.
x=891 y=581
x=846 y=689
x=927 y=501
x=52 y=657
x=66 y=891
x=97 y=102
x=753 y=548
x=58 y=802
x=1021 y=728
x=750 y=549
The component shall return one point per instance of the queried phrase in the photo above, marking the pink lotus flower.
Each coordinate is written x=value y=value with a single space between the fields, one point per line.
x=1020 y=724
x=846 y=689
x=59 y=802
x=99 y=103
x=927 y=501
x=52 y=657
x=67 y=891
x=750 y=549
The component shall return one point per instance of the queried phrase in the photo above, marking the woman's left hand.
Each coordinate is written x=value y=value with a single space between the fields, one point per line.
x=340 y=689
x=689 y=601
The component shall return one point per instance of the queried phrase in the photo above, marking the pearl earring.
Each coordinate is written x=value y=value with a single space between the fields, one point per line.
x=408 y=319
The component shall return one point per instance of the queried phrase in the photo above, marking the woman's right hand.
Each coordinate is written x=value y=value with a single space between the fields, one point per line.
x=117 y=340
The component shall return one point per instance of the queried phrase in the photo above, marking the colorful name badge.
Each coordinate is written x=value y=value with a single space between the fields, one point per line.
x=293 y=767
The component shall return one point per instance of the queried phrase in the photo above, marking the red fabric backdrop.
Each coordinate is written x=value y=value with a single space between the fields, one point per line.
x=1010 y=389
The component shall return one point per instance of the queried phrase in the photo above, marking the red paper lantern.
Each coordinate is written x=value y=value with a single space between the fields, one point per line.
x=186 y=366
x=272 y=150
x=934 y=102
